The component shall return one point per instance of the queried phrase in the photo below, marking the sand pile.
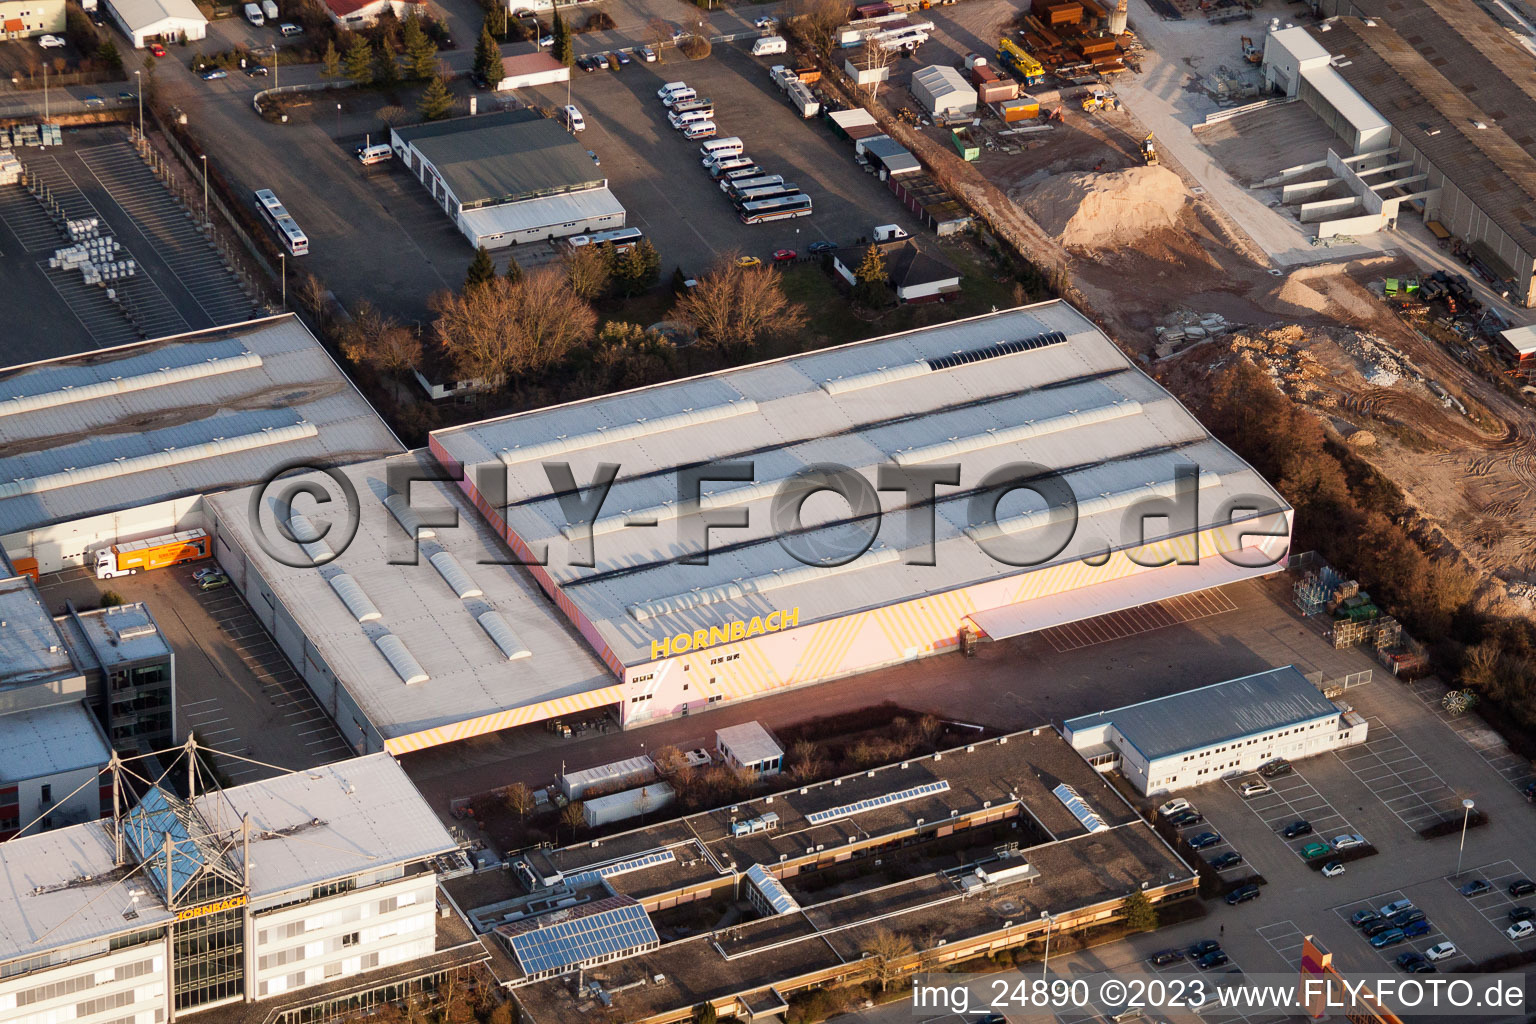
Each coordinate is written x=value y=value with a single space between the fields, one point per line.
x=1101 y=210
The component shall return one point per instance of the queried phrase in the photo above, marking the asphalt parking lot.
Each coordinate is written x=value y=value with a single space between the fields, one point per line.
x=1490 y=746
x=181 y=284
x=233 y=686
x=1420 y=943
x=1293 y=798
x=1494 y=906
x=658 y=176
x=1400 y=778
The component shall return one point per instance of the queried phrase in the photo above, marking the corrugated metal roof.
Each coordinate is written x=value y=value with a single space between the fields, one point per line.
x=282 y=378
x=860 y=405
x=141 y=14
x=1198 y=718
x=502 y=156
x=544 y=212
x=451 y=639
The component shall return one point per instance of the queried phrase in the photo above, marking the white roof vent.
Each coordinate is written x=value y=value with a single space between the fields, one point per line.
x=401 y=660
x=400 y=507
x=309 y=538
x=352 y=595
x=454 y=575
x=503 y=636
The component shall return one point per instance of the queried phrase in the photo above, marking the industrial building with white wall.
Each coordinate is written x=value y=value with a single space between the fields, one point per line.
x=1189 y=739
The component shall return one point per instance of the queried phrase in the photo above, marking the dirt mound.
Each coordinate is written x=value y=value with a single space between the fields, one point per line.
x=1101 y=210
x=1361 y=439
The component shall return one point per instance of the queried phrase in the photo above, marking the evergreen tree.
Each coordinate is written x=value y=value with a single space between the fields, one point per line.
x=330 y=62
x=1140 y=914
x=420 y=50
x=436 y=101
x=481 y=270
x=871 y=277
x=110 y=58
x=565 y=52
x=488 y=57
x=636 y=271
x=514 y=270
x=359 y=61
x=387 y=65
x=679 y=281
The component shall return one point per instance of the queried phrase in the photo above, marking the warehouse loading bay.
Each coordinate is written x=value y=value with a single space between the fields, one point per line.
x=180 y=281
x=234 y=687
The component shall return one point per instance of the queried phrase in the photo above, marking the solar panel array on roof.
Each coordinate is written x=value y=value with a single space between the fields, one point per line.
x=564 y=944
x=146 y=827
x=772 y=889
x=621 y=868
x=899 y=797
x=1079 y=808
x=1002 y=348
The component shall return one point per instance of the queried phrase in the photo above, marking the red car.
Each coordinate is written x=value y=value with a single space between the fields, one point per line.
x=784 y=255
x=157 y=49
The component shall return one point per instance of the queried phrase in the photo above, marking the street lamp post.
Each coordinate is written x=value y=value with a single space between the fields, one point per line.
x=138 y=78
x=274 y=65
x=1466 y=816
x=204 y=158
x=1045 y=965
x=282 y=262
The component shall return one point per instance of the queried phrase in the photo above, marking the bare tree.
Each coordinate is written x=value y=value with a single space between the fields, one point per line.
x=519 y=800
x=668 y=760
x=889 y=950
x=507 y=327
x=735 y=305
x=877 y=58
x=588 y=269
x=818 y=20
x=314 y=296
x=572 y=815
x=659 y=31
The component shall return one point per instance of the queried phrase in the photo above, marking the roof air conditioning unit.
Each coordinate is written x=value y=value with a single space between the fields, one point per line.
x=921 y=820
x=938 y=757
x=1002 y=740
x=768 y=800
x=970 y=748
x=1035 y=731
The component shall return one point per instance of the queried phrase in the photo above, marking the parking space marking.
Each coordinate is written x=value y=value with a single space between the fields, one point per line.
x=1117 y=625
x=1400 y=778
x=1494 y=905
x=1292 y=798
x=1285 y=939
x=1475 y=733
x=1417 y=944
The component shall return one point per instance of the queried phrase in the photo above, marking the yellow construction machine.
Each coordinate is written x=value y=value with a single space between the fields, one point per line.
x=1148 y=151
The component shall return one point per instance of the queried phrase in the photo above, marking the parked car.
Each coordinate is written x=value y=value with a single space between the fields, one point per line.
x=1520 y=930
x=214 y=74
x=1314 y=850
x=124 y=96
x=1276 y=768
x=1226 y=860
x=1424 y=967
x=1441 y=951
x=95 y=101
x=647 y=54
x=1361 y=918
x=50 y=42
x=545 y=42
x=1184 y=819
x=586 y=64
x=1376 y=927
x=819 y=247
x=1242 y=895
x=1297 y=828
x=1249 y=789
x=1165 y=956
x=1520 y=913
x=1333 y=869
x=1173 y=807
x=1396 y=907
x=624 y=58
x=1204 y=839
x=748 y=261
x=1348 y=841
x=764 y=23
x=1214 y=959
x=157 y=49
x=1408 y=960
x=1403 y=918
x=596 y=162
x=257 y=71
x=1476 y=887
x=1522 y=887
x=204 y=573
x=1390 y=937
x=1417 y=929
x=1202 y=947
x=784 y=255
x=213 y=583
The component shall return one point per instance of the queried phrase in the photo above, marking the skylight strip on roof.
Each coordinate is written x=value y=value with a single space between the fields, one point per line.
x=401 y=660
x=627 y=431
x=763 y=584
x=455 y=576
x=158 y=460
x=1022 y=432
x=309 y=538
x=123 y=385
x=408 y=518
x=874 y=378
x=888 y=800
x=355 y=598
x=503 y=636
x=1085 y=508
x=1079 y=807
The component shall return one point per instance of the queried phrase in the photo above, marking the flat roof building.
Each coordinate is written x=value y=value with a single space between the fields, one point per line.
x=166 y=20
x=750 y=746
x=50 y=758
x=1198 y=736
x=508 y=177
x=774 y=605
x=122 y=443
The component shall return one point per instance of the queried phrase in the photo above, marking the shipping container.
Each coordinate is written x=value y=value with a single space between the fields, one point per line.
x=604 y=810
x=606 y=777
x=1020 y=109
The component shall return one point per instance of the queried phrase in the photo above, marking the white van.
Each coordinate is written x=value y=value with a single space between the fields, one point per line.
x=377 y=153
x=700 y=130
x=726 y=147
x=669 y=89
x=682 y=95
x=889 y=232
x=767 y=45
x=253 y=15
x=681 y=121
x=289 y=29
x=269 y=9
x=572 y=118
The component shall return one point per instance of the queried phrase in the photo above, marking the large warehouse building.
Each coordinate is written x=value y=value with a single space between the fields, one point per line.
x=509 y=177
x=1436 y=119
x=773 y=605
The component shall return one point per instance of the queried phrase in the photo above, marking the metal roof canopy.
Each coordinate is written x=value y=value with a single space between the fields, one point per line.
x=511 y=154
x=1237 y=708
x=950 y=393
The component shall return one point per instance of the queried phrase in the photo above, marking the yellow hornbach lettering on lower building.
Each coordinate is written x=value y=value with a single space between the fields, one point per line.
x=725 y=633
x=188 y=913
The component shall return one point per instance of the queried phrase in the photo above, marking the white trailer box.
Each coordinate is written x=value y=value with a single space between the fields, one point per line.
x=769 y=45
x=618 y=775
x=604 y=810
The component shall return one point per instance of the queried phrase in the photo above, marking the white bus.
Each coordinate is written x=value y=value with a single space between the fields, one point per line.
x=722 y=147
x=735 y=163
x=753 y=195
x=622 y=239
x=287 y=229
x=734 y=187
x=782 y=208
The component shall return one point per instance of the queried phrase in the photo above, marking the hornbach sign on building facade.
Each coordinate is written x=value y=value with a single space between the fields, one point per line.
x=729 y=632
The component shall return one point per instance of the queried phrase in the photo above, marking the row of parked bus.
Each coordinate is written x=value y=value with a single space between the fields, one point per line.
x=759 y=196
